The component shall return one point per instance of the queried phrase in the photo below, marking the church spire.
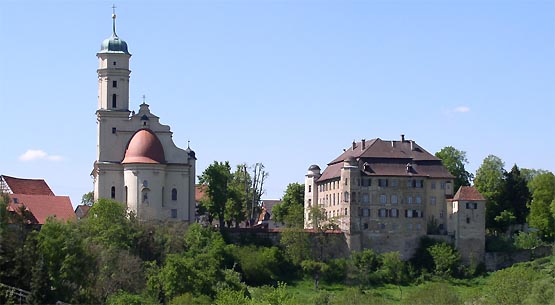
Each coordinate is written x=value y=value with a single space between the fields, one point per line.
x=114 y=21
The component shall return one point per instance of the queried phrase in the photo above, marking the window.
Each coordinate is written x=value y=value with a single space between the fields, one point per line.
x=174 y=194
x=382 y=182
x=433 y=200
x=365 y=198
x=383 y=199
x=114 y=84
x=145 y=183
x=346 y=211
x=441 y=214
x=393 y=199
x=145 y=197
x=409 y=226
x=114 y=98
x=418 y=199
x=310 y=188
x=113 y=129
x=382 y=213
x=309 y=203
x=365 y=212
x=114 y=63
x=346 y=181
x=333 y=195
x=365 y=226
x=418 y=226
x=441 y=226
x=382 y=226
x=15 y=200
x=174 y=213
x=408 y=213
x=113 y=192
x=394 y=213
x=346 y=196
x=409 y=199
x=442 y=185
x=418 y=183
x=433 y=185
x=467 y=219
x=366 y=181
x=472 y=205
x=395 y=183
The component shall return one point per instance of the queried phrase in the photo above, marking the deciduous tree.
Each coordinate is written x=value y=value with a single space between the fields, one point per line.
x=455 y=160
x=291 y=210
x=543 y=195
x=216 y=177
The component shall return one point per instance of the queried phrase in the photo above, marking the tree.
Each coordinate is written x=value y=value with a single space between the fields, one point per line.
x=216 y=177
x=446 y=258
x=393 y=269
x=510 y=286
x=489 y=182
x=88 y=198
x=291 y=210
x=515 y=194
x=109 y=225
x=543 y=195
x=316 y=268
x=454 y=160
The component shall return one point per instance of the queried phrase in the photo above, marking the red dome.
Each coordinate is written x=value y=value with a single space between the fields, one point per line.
x=144 y=147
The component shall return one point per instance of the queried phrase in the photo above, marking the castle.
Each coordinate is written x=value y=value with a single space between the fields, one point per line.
x=386 y=195
x=137 y=161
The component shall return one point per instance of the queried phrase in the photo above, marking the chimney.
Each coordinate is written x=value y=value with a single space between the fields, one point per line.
x=354 y=145
x=363 y=144
x=402 y=138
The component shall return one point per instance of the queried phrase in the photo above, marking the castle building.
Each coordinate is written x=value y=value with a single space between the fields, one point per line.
x=137 y=161
x=386 y=195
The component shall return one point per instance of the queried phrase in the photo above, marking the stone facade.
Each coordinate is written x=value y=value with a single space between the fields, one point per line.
x=137 y=161
x=386 y=195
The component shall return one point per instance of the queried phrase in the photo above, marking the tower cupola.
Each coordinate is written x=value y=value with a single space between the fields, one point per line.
x=114 y=44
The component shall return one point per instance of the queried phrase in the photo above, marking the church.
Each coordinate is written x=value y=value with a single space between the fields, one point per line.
x=137 y=162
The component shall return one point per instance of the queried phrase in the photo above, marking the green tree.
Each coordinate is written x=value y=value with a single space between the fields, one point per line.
x=291 y=210
x=515 y=194
x=296 y=242
x=510 y=286
x=455 y=160
x=365 y=266
x=543 y=195
x=108 y=224
x=88 y=198
x=489 y=182
x=216 y=177
x=314 y=268
x=446 y=259
x=393 y=269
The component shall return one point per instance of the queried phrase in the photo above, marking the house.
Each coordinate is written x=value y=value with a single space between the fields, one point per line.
x=385 y=195
x=35 y=197
x=265 y=218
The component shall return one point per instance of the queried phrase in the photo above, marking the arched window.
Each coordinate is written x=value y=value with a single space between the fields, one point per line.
x=145 y=196
x=114 y=99
x=174 y=194
x=346 y=197
x=309 y=203
x=113 y=192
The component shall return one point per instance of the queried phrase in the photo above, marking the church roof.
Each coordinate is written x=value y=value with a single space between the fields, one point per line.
x=144 y=147
x=27 y=186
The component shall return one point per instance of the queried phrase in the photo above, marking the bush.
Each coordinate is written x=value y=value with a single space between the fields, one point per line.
x=258 y=265
x=125 y=298
x=337 y=271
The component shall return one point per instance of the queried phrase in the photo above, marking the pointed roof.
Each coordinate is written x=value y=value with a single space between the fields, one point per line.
x=468 y=193
x=27 y=186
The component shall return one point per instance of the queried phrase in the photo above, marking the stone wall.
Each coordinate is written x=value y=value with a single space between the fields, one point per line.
x=499 y=260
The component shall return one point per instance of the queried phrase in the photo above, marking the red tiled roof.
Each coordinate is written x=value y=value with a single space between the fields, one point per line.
x=144 y=147
x=82 y=210
x=468 y=193
x=200 y=192
x=378 y=148
x=27 y=186
x=44 y=206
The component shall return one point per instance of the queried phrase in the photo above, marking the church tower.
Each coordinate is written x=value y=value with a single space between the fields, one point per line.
x=137 y=162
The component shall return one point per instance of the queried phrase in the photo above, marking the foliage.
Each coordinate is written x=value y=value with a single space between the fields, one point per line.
x=543 y=196
x=108 y=225
x=515 y=194
x=434 y=294
x=365 y=266
x=489 y=182
x=291 y=210
x=189 y=299
x=126 y=298
x=454 y=160
x=527 y=240
x=314 y=268
x=297 y=244
x=258 y=265
x=216 y=177
x=88 y=198
x=509 y=286
x=446 y=258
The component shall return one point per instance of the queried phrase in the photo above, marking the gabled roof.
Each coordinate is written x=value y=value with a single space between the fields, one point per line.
x=378 y=148
x=388 y=158
x=44 y=206
x=468 y=193
x=27 y=186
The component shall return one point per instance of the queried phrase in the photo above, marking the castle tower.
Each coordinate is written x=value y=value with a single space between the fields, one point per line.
x=310 y=192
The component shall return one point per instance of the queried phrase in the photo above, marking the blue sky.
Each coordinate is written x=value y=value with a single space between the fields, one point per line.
x=285 y=83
